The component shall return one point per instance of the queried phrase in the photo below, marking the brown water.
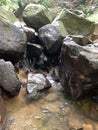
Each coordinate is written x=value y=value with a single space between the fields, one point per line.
x=52 y=111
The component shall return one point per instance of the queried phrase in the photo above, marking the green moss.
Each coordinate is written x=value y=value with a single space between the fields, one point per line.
x=7 y=15
x=6 y=25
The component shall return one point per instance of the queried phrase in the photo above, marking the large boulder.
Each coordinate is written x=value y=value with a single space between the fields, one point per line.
x=36 y=16
x=12 y=41
x=78 y=68
x=8 y=80
x=51 y=38
x=75 y=24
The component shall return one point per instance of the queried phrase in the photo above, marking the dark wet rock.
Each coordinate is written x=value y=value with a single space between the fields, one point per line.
x=12 y=42
x=95 y=99
x=54 y=74
x=75 y=24
x=8 y=79
x=33 y=53
x=7 y=15
x=37 y=83
x=51 y=38
x=36 y=16
x=31 y=34
x=35 y=56
x=78 y=68
x=42 y=62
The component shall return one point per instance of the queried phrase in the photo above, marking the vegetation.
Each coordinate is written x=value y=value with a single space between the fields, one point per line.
x=13 y=4
x=9 y=4
x=87 y=7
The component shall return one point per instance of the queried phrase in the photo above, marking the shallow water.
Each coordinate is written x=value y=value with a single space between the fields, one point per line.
x=52 y=111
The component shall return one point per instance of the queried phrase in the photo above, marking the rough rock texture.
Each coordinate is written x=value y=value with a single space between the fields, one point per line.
x=36 y=16
x=74 y=24
x=12 y=41
x=37 y=83
x=8 y=79
x=78 y=68
x=51 y=38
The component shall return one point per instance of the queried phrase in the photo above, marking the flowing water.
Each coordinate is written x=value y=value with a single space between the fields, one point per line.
x=52 y=111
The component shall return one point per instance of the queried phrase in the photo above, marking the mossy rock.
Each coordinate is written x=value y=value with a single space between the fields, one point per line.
x=36 y=16
x=75 y=24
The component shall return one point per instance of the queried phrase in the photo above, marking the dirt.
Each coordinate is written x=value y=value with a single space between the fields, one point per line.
x=52 y=111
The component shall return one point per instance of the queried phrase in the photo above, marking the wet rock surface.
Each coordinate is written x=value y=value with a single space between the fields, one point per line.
x=33 y=53
x=51 y=38
x=36 y=84
x=78 y=68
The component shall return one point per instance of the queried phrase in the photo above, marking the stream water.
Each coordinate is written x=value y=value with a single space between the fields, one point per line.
x=52 y=111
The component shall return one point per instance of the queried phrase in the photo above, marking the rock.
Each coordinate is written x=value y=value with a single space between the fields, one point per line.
x=36 y=16
x=12 y=42
x=3 y=112
x=75 y=24
x=7 y=15
x=8 y=79
x=54 y=11
x=34 y=52
x=51 y=38
x=96 y=29
x=81 y=40
x=60 y=27
x=32 y=35
x=37 y=83
x=78 y=68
